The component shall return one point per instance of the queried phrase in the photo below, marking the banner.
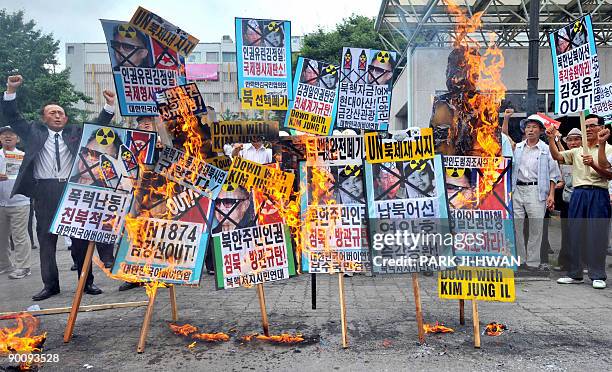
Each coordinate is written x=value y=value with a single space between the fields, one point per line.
x=12 y=162
x=168 y=101
x=263 y=60
x=172 y=228
x=194 y=174
x=334 y=232
x=476 y=208
x=471 y=283
x=314 y=107
x=141 y=66
x=366 y=77
x=251 y=175
x=575 y=68
x=253 y=255
x=417 y=144
x=164 y=32
x=222 y=162
x=242 y=131
x=602 y=102
x=99 y=190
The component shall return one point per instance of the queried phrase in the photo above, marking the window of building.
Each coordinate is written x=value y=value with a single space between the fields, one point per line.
x=229 y=57
x=212 y=57
x=213 y=97
x=195 y=57
x=229 y=97
x=70 y=49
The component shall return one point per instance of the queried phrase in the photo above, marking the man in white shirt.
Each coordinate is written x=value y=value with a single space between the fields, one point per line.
x=14 y=211
x=256 y=152
x=50 y=149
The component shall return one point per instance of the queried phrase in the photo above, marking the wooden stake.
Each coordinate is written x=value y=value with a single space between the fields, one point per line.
x=173 y=303
x=417 y=303
x=78 y=295
x=476 y=321
x=146 y=322
x=262 y=307
x=313 y=291
x=342 y=310
x=583 y=130
x=82 y=309
x=462 y=312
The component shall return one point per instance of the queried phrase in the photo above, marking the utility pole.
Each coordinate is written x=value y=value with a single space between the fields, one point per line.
x=532 y=68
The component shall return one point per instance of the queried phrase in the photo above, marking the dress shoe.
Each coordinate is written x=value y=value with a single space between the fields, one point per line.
x=45 y=293
x=92 y=289
x=126 y=286
x=73 y=267
x=108 y=264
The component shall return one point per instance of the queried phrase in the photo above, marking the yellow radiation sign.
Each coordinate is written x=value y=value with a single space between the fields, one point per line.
x=105 y=136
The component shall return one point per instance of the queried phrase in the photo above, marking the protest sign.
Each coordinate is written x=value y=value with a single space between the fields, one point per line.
x=11 y=162
x=366 y=77
x=99 y=190
x=253 y=255
x=190 y=172
x=222 y=162
x=168 y=102
x=471 y=283
x=479 y=192
x=141 y=66
x=163 y=31
x=263 y=60
x=242 y=131
x=169 y=234
x=313 y=110
x=602 y=102
x=417 y=144
x=251 y=175
x=333 y=208
x=575 y=66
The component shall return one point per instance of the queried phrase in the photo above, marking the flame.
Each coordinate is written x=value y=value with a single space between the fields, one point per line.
x=188 y=329
x=495 y=329
x=184 y=330
x=192 y=345
x=283 y=338
x=480 y=106
x=437 y=328
x=211 y=337
x=21 y=338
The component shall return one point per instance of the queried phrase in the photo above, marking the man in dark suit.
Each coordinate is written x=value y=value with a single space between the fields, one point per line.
x=50 y=149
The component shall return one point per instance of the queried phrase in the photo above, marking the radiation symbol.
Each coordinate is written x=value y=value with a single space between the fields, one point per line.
x=455 y=172
x=352 y=170
x=417 y=164
x=127 y=156
x=577 y=26
x=125 y=30
x=331 y=69
x=382 y=56
x=107 y=165
x=273 y=27
x=230 y=187
x=105 y=136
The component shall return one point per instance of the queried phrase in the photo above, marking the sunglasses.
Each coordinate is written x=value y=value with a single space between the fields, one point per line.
x=229 y=202
x=377 y=70
x=125 y=46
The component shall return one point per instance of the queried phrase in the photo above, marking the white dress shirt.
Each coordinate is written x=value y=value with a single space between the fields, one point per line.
x=45 y=164
x=530 y=161
x=261 y=155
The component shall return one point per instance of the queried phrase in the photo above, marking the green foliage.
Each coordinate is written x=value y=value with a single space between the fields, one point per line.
x=26 y=51
x=355 y=31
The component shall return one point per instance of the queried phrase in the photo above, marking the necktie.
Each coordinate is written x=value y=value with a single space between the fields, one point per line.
x=57 y=154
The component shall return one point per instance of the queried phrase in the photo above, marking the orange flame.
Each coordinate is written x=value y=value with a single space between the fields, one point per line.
x=211 y=337
x=437 y=328
x=21 y=339
x=283 y=338
x=495 y=329
x=188 y=329
x=184 y=330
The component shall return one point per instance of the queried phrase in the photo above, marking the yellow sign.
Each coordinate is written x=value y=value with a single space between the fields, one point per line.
x=414 y=146
x=477 y=283
x=258 y=99
x=241 y=131
x=309 y=122
x=222 y=162
x=252 y=175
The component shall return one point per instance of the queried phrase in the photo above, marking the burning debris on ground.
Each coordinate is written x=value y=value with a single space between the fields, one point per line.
x=495 y=329
x=22 y=340
x=437 y=328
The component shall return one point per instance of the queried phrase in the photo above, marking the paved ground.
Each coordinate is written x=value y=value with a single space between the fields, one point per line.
x=552 y=327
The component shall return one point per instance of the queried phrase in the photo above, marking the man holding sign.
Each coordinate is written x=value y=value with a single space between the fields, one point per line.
x=50 y=150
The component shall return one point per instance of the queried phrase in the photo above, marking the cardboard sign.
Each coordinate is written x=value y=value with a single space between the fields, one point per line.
x=471 y=283
x=251 y=175
x=418 y=144
x=260 y=99
x=602 y=102
x=169 y=101
x=242 y=131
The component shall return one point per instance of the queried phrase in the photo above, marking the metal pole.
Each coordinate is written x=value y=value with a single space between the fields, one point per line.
x=532 y=68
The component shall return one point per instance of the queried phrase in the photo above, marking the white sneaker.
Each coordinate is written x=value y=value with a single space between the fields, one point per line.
x=599 y=284
x=568 y=280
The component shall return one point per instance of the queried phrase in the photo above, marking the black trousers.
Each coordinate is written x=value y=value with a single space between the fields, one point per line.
x=47 y=198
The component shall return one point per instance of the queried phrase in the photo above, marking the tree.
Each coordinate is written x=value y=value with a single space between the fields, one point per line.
x=25 y=50
x=355 y=31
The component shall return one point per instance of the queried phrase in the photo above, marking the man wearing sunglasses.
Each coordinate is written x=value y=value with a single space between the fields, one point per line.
x=589 y=207
x=50 y=149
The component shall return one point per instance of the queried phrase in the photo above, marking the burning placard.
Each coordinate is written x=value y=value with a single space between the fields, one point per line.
x=251 y=175
x=253 y=255
x=243 y=131
x=141 y=66
x=471 y=283
x=574 y=66
x=316 y=97
x=163 y=31
x=417 y=144
x=263 y=59
x=168 y=101
x=364 y=99
x=333 y=209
